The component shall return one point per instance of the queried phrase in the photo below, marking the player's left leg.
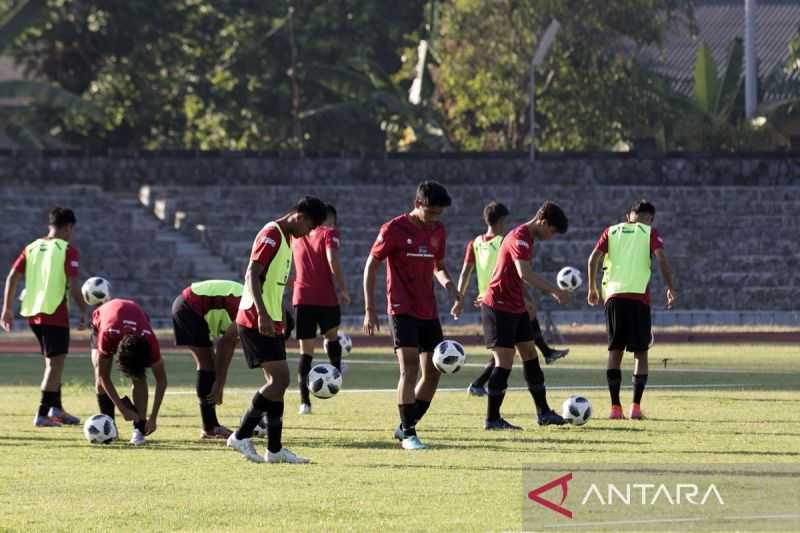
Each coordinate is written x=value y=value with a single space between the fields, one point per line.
x=430 y=334
x=534 y=377
x=307 y=347
x=206 y=376
x=640 y=369
x=140 y=393
x=549 y=354
x=478 y=386
x=641 y=330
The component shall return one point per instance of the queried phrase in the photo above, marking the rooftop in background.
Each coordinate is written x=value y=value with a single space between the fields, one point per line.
x=718 y=23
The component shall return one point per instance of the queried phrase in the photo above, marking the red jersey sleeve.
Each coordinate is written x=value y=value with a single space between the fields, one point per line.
x=71 y=263
x=656 y=241
x=469 y=253
x=333 y=240
x=19 y=264
x=266 y=245
x=520 y=247
x=602 y=242
x=384 y=244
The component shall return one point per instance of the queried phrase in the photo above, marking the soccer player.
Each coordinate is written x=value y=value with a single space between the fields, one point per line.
x=481 y=256
x=316 y=299
x=120 y=327
x=626 y=250
x=260 y=325
x=414 y=246
x=203 y=316
x=506 y=323
x=50 y=267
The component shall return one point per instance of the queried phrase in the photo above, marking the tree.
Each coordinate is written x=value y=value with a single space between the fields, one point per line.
x=593 y=93
x=216 y=74
x=24 y=99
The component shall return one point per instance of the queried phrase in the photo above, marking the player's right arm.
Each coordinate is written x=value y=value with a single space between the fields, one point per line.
x=102 y=373
x=666 y=275
x=371 y=323
x=252 y=279
x=592 y=267
x=536 y=281
x=332 y=254
x=463 y=280
x=7 y=317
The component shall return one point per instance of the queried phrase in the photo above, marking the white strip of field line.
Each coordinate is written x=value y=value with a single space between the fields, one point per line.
x=239 y=390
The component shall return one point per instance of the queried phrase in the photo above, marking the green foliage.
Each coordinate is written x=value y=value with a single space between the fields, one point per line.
x=222 y=74
x=591 y=93
x=706 y=85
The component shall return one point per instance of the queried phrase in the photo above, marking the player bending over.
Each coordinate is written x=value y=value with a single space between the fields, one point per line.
x=414 y=246
x=506 y=323
x=481 y=256
x=315 y=298
x=260 y=325
x=203 y=318
x=120 y=327
x=626 y=251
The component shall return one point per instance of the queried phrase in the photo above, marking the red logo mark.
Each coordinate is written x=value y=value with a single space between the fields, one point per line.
x=535 y=494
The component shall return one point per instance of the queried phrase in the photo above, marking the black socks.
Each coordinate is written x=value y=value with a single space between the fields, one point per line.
x=274 y=425
x=538 y=337
x=421 y=407
x=303 y=368
x=208 y=411
x=408 y=418
x=105 y=404
x=334 y=351
x=498 y=382
x=534 y=377
x=639 y=383
x=481 y=380
x=614 y=378
x=49 y=399
x=252 y=416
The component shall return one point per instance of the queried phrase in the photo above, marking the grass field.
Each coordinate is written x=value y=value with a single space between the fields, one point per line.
x=712 y=404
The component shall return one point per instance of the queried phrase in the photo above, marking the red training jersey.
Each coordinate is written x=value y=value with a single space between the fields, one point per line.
x=203 y=304
x=412 y=252
x=60 y=316
x=265 y=247
x=313 y=284
x=117 y=318
x=506 y=288
x=655 y=243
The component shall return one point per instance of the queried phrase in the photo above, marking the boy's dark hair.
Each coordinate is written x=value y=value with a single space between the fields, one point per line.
x=312 y=208
x=643 y=206
x=133 y=355
x=553 y=215
x=331 y=212
x=433 y=194
x=60 y=217
x=493 y=212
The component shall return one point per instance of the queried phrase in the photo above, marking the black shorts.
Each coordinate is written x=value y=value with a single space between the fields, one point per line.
x=309 y=317
x=53 y=340
x=628 y=325
x=259 y=348
x=412 y=332
x=190 y=328
x=502 y=329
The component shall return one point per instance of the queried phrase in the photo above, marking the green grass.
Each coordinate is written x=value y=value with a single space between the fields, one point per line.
x=469 y=480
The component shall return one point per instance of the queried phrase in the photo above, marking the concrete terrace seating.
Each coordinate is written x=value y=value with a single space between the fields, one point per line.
x=115 y=239
x=732 y=248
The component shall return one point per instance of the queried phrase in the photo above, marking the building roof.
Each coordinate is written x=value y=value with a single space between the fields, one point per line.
x=718 y=23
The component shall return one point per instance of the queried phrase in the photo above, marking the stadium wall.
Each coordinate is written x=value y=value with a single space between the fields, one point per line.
x=126 y=170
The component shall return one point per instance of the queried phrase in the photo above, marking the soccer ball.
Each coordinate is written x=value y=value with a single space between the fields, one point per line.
x=100 y=429
x=576 y=410
x=96 y=290
x=569 y=279
x=344 y=340
x=324 y=381
x=448 y=357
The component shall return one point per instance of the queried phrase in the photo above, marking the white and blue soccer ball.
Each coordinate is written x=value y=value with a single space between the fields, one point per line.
x=569 y=279
x=576 y=410
x=100 y=429
x=449 y=357
x=324 y=381
x=96 y=290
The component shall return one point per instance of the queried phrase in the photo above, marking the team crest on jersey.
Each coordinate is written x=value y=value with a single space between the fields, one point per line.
x=522 y=244
x=74 y=264
x=268 y=241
